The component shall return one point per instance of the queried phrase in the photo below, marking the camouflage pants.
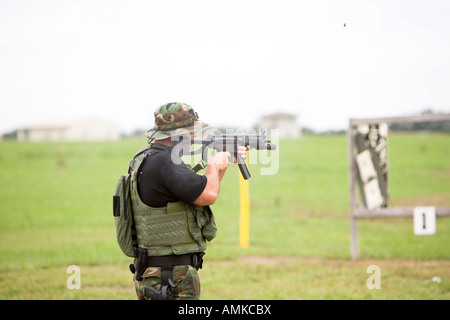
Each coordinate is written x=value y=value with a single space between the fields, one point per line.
x=185 y=278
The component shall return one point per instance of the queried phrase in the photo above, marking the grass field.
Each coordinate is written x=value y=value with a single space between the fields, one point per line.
x=56 y=211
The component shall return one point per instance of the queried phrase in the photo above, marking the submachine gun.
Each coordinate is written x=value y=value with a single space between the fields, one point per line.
x=230 y=143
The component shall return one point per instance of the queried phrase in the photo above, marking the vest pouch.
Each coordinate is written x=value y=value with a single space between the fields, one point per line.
x=123 y=217
x=206 y=221
x=163 y=226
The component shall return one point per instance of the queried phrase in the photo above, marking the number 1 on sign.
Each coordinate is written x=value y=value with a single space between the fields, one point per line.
x=423 y=217
x=424 y=220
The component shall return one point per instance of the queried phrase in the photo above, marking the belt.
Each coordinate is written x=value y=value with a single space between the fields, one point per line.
x=193 y=259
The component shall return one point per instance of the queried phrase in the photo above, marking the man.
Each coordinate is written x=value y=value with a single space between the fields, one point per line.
x=171 y=211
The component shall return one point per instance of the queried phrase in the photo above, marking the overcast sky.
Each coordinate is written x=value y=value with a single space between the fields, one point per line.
x=233 y=61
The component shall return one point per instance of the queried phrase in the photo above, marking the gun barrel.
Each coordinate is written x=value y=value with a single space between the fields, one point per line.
x=230 y=142
x=255 y=141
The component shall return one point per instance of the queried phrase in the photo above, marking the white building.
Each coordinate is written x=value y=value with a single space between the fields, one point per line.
x=285 y=123
x=74 y=130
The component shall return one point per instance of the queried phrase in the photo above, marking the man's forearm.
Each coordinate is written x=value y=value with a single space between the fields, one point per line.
x=213 y=177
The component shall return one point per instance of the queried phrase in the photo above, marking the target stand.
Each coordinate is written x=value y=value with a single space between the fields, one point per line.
x=368 y=168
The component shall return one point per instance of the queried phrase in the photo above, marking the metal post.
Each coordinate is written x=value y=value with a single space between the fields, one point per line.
x=244 y=219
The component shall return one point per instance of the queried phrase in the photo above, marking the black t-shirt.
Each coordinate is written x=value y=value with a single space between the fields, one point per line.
x=160 y=180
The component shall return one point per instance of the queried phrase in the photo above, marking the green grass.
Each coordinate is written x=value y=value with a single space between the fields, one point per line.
x=56 y=211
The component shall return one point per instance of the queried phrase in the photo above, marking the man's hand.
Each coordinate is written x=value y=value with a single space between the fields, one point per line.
x=219 y=160
x=242 y=151
x=224 y=158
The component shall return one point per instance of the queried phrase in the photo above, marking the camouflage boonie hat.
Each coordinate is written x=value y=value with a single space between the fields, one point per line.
x=174 y=118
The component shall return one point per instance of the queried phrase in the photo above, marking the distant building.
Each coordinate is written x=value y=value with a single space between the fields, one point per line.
x=75 y=130
x=285 y=123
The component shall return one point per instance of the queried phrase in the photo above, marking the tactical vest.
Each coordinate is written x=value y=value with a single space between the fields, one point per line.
x=178 y=228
